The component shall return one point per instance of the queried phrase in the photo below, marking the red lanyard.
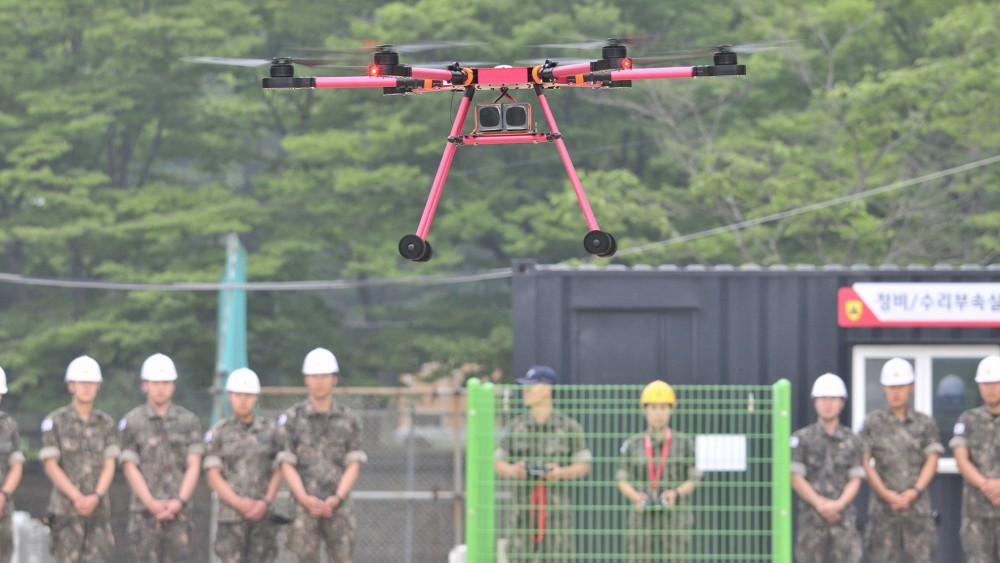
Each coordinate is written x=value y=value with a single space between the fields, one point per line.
x=654 y=476
x=538 y=511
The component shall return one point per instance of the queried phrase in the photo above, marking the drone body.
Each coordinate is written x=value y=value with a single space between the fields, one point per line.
x=507 y=122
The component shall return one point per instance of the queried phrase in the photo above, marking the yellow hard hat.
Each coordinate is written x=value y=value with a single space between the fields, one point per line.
x=659 y=393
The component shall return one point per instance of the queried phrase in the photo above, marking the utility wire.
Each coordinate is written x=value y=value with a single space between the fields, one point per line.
x=259 y=286
x=487 y=275
x=808 y=208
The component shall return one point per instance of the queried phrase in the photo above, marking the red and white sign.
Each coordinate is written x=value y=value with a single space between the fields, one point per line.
x=919 y=304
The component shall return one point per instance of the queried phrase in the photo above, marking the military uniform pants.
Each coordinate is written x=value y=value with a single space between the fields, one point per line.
x=306 y=534
x=245 y=541
x=88 y=540
x=980 y=539
x=657 y=534
x=159 y=542
x=910 y=536
x=816 y=538
x=6 y=536
x=557 y=544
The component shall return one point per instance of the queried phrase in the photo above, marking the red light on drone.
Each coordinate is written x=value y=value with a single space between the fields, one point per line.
x=626 y=64
x=374 y=71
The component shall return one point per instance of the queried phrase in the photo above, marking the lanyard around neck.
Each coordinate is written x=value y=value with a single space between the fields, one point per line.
x=654 y=476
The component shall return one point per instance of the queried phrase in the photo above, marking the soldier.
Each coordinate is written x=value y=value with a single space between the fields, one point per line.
x=10 y=475
x=656 y=472
x=161 y=459
x=79 y=450
x=905 y=446
x=320 y=460
x=240 y=466
x=826 y=475
x=541 y=450
x=976 y=444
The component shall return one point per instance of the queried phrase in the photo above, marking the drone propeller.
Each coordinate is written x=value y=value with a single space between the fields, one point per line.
x=745 y=49
x=597 y=43
x=557 y=60
x=369 y=47
x=460 y=64
x=261 y=62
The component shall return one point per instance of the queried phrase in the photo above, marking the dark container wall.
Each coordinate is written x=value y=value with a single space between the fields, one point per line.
x=720 y=325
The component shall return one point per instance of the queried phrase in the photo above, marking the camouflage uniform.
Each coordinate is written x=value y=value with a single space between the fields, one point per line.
x=657 y=531
x=10 y=450
x=900 y=449
x=159 y=447
x=979 y=431
x=558 y=440
x=245 y=455
x=81 y=447
x=320 y=445
x=828 y=462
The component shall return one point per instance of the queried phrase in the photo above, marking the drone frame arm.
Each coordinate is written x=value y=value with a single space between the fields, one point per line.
x=665 y=72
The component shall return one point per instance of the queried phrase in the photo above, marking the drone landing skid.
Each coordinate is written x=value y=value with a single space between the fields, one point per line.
x=415 y=246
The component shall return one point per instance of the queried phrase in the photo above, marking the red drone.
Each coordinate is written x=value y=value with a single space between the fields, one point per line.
x=499 y=122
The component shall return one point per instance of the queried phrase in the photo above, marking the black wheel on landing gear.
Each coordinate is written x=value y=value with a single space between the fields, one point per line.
x=600 y=243
x=428 y=253
x=614 y=247
x=414 y=248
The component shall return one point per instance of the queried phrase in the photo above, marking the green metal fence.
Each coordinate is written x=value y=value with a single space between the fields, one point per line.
x=731 y=441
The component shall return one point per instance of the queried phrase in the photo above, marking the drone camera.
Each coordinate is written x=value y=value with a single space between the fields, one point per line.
x=503 y=118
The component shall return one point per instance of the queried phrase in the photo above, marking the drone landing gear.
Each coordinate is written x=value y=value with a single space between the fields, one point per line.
x=600 y=243
x=415 y=247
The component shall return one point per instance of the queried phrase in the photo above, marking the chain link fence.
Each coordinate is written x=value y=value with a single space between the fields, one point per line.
x=409 y=500
x=730 y=442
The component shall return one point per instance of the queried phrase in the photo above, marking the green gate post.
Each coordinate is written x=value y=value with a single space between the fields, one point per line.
x=781 y=477
x=480 y=507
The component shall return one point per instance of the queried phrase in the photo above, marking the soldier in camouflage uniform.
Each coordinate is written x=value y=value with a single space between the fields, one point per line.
x=240 y=466
x=10 y=475
x=79 y=450
x=905 y=446
x=976 y=444
x=656 y=471
x=320 y=460
x=826 y=475
x=161 y=458
x=541 y=450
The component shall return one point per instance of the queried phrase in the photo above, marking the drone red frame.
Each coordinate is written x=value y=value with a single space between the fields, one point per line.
x=613 y=70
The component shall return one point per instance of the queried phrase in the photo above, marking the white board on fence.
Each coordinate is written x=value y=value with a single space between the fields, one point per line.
x=720 y=452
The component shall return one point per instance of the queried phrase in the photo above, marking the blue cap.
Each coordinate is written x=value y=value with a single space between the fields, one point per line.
x=539 y=374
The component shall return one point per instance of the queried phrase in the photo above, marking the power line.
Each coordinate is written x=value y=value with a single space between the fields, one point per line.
x=258 y=286
x=501 y=273
x=809 y=208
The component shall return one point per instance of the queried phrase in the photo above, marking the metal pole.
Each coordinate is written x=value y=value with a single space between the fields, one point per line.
x=457 y=486
x=410 y=467
x=473 y=510
x=781 y=477
x=488 y=475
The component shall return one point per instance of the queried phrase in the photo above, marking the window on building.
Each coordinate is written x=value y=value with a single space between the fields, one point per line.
x=944 y=386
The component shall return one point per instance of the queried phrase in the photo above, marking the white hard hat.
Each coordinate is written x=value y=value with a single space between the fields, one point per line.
x=988 y=370
x=243 y=380
x=320 y=361
x=158 y=368
x=3 y=382
x=84 y=369
x=896 y=371
x=829 y=385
